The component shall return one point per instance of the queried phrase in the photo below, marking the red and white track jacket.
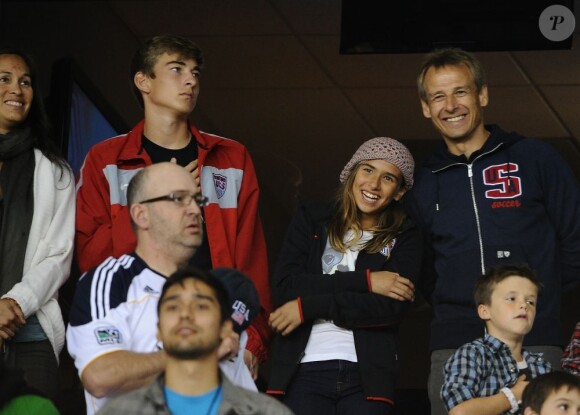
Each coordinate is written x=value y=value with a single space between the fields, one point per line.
x=228 y=180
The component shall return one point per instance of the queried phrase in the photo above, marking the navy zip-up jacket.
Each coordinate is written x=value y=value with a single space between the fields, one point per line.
x=345 y=298
x=514 y=201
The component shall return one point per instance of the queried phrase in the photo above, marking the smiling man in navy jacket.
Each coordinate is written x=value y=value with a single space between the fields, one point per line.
x=488 y=197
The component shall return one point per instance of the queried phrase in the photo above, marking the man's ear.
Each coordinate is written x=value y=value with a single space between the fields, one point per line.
x=140 y=215
x=529 y=411
x=425 y=108
x=483 y=96
x=483 y=311
x=142 y=82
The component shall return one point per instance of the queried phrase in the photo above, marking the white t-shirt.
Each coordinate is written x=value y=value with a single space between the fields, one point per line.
x=328 y=341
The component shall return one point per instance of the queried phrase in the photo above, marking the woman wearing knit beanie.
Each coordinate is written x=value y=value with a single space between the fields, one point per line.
x=344 y=280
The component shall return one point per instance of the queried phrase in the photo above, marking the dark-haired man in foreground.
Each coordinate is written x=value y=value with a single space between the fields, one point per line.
x=194 y=315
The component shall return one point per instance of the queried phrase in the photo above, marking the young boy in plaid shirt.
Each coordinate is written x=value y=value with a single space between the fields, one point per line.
x=488 y=376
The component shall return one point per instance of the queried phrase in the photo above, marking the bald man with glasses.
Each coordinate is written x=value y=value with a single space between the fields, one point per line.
x=112 y=330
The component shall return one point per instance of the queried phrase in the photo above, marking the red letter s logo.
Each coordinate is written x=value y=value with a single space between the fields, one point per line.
x=511 y=186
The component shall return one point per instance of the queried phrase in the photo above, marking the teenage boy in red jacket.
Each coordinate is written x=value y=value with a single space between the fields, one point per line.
x=165 y=72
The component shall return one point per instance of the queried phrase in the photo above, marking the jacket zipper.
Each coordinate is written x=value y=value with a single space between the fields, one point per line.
x=476 y=211
x=470 y=173
x=472 y=189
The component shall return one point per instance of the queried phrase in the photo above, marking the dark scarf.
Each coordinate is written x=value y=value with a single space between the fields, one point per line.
x=16 y=182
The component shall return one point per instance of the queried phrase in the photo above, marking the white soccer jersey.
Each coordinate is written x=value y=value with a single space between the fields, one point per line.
x=114 y=308
x=236 y=369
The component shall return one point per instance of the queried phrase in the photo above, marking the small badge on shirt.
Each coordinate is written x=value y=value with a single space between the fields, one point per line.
x=240 y=313
x=150 y=290
x=221 y=183
x=108 y=335
x=386 y=251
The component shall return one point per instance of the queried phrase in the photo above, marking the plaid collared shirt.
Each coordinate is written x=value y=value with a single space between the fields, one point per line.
x=571 y=357
x=481 y=368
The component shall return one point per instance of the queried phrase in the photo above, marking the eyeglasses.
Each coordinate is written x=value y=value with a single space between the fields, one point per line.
x=181 y=198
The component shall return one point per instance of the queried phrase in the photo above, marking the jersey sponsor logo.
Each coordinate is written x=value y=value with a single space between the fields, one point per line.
x=221 y=184
x=506 y=184
x=150 y=290
x=503 y=254
x=386 y=251
x=108 y=335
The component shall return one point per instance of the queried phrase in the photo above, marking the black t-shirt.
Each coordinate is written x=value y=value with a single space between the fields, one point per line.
x=184 y=156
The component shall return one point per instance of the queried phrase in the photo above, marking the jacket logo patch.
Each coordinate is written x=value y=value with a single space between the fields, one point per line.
x=221 y=183
x=108 y=335
x=503 y=254
x=240 y=313
x=386 y=251
x=507 y=184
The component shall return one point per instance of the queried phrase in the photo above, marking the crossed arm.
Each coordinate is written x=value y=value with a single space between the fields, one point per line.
x=389 y=284
x=351 y=299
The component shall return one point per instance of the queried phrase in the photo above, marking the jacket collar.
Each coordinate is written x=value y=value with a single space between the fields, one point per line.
x=133 y=148
x=497 y=345
x=233 y=403
x=497 y=139
x=155 y=393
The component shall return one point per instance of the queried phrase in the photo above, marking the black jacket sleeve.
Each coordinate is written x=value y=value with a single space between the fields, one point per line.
x=344 y=297
x=358 y=309
x=299 y=269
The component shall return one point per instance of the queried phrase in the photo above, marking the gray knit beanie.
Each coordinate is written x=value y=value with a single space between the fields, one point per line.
x=383 y=148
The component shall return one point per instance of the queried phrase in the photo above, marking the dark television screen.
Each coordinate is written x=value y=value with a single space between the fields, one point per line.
x=80 y=115
x=418 y=26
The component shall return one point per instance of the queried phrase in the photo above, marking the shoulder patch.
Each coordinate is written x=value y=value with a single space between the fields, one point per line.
x=108 y=335
x=221 y=184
